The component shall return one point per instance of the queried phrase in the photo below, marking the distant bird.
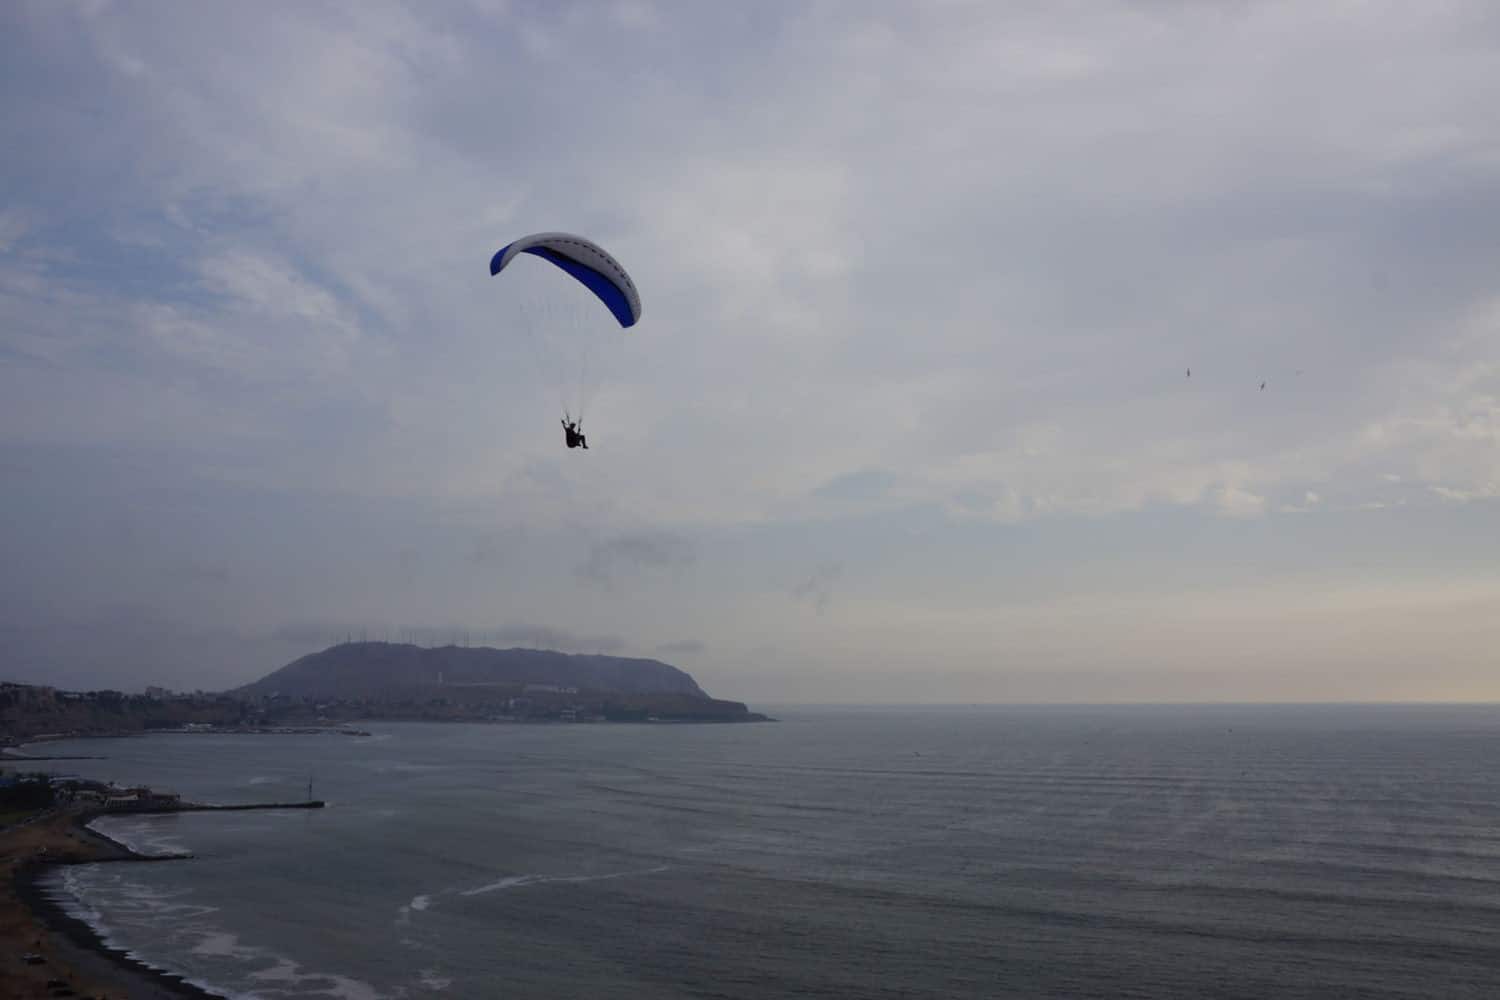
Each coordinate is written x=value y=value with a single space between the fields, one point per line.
x=1262 y=387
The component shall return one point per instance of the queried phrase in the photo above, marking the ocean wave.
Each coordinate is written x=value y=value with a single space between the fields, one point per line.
x=423 y=902
x=430 y=979
x=514 y=881
x=69 y=890
x=221 y=944
x=139 y=907
x=288 y=972
x=64 y=887
x=141 y=834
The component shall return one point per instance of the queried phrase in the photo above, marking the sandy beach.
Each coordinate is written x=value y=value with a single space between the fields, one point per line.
x=72 y=953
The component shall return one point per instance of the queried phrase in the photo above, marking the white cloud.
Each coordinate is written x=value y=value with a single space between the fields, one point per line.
x=834 y=221
x=954 y=260
x=14 y=224
x=1484 y=492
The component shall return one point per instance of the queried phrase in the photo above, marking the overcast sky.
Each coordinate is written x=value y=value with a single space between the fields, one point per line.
x=907 y=415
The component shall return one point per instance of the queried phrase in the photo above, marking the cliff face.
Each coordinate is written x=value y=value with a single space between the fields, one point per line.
x=27 y=711
x=383 y=671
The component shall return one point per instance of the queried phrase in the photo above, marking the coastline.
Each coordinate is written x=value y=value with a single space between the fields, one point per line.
x=14 y=747
x=74 y=951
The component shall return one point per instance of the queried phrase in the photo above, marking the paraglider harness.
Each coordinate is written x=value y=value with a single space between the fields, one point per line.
x=573 y=433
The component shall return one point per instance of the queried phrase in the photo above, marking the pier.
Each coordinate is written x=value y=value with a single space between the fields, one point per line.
x=210 y=807
x=182 y=807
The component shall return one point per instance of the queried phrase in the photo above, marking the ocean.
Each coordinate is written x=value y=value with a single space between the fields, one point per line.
x=1151 y=852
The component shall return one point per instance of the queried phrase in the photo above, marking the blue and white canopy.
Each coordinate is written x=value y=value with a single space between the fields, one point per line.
x=585 y=260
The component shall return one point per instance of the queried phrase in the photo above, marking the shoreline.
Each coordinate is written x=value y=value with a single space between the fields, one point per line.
x=14 y=747
x=74 y=951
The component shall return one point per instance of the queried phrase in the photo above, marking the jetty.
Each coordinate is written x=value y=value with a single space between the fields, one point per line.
x=214 y=807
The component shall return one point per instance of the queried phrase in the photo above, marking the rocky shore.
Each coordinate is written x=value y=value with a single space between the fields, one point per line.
x=43 y=950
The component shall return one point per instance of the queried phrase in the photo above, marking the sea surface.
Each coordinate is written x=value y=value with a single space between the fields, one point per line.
x=1164 y=852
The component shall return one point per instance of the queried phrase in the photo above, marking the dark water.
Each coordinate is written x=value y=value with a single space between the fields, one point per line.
x=1111 y=852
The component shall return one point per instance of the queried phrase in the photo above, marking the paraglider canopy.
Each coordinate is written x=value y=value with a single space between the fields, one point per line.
x=586 y=261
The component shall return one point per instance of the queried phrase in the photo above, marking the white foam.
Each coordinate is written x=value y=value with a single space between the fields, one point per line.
x=400 y=767
x=71 y=898
x=221 y=944
x=140 y=906
x=143 y=835
x=433 y=981
x=504 y=883
x=287 y=971
x=345 y=988
x=513 y=881
x=73 y=904
x=420 y=903
x=284 y=971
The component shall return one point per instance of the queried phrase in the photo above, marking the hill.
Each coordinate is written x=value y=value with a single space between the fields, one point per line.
x=378 y=680
x=396 y=680
x=392 y=671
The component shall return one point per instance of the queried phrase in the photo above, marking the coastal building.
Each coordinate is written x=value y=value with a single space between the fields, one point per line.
x=140 y=798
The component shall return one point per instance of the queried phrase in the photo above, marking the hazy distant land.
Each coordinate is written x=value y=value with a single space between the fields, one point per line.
x=380 y=680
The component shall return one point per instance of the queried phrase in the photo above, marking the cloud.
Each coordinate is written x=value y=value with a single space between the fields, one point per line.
x=319 y=633
x=1310 y=501
x=685 y=647
x=817 y=587
x=200 y=574
x=863 y=484
x=636 y=553
x=129 y=647
x=1484 y=492
x=548 y=637
x=14 y=225
x=907 y=275
x=814 y=243
x=1237 y=502
x=489 y=549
